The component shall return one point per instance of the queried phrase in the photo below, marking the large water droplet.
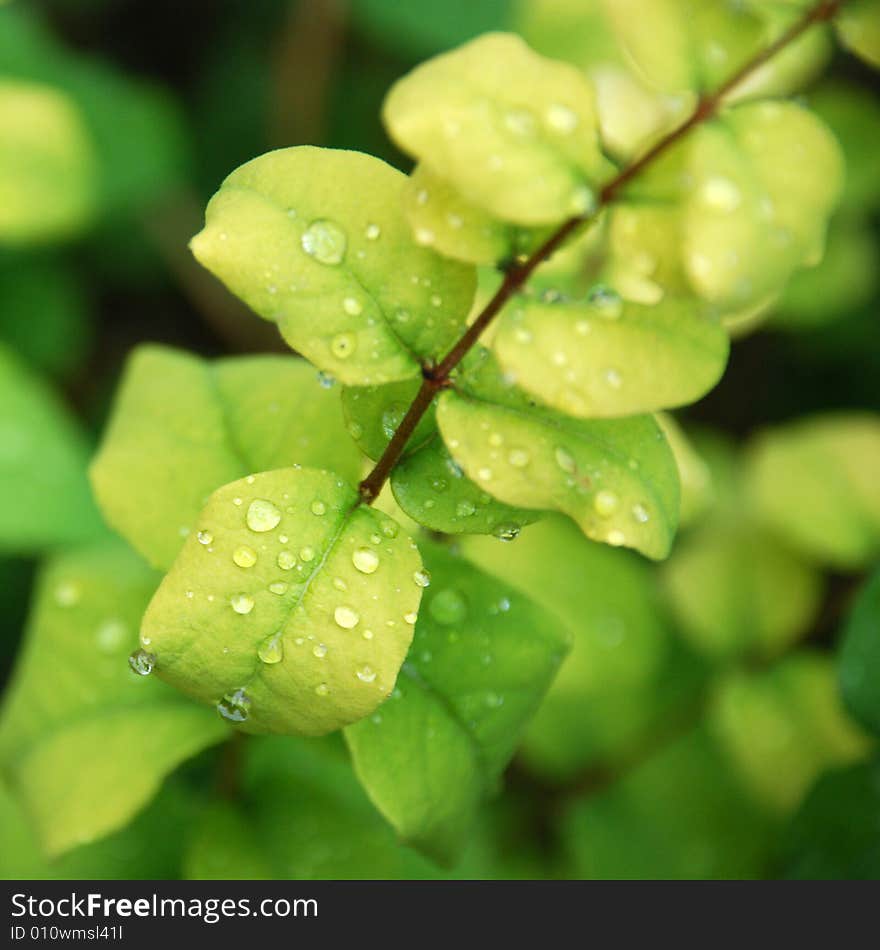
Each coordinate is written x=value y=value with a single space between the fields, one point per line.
x=244 y=556
x=346 y=617
x=271 y=650
x=448 y=606
x=262 y=515
x=325 y=241
x=234 y=707
x=142 y=662
x=365 y=560
x=422 y=578
x=286 y=560
x=241 y=603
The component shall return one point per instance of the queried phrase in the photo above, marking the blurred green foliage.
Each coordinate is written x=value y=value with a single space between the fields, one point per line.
x=712 y=717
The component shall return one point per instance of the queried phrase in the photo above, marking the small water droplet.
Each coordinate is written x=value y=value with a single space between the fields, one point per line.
x=640 y=513
x=271 y=650
x=205 y=537
x=389 y=529
x=318 y=507
x=346 y=617
x=278 y=587
x=616 y=538
x=235 y=706
x=507 y=531
x=520 y=122
x=244 y=556
x=465 y=508
x=519 y=458
x=484 y=474
x=366 y=674
x=720 y=194
x=606 y=301
x=561 y=119
x=367 y=634
x=605 y=503
x=565 y=460
x=307 y=554
x=262 y=515
x=319 y=650
x=241 y=603
x=322 y=689
x=142 y=662
x=352 y=306
x=325 y=380
x=422 y=578
x=411 y=617
x=286 y=560
x=365 y=560
x=325 y=241
x=613 y=378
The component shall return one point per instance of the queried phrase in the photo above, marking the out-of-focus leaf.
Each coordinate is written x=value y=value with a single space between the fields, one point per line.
x=835 y=834
x=316 y=241
x=47 y=165
x=514 y=132
x=783 y=727
x=85 y=741
x=859 y=658
x=224 y=848
x=694 y=474
x=438 y=746
x=292 y=607
x=182 y=427
x=44 y=496
x=815 y=482
x=858 y=26
x=626 y=676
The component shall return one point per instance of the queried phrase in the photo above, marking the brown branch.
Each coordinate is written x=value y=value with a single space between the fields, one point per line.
x=438 y=377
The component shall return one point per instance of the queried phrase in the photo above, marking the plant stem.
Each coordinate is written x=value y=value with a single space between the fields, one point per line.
x=437 y=377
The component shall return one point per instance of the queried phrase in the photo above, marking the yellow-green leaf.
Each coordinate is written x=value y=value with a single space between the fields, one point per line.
x=513 y=132
x=291 y=608
x=316 y=240
x=858 y=26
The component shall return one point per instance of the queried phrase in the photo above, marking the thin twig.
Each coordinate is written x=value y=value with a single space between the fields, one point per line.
x=437 y=378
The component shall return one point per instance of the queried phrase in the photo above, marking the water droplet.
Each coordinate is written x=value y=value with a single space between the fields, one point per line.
x=720 y=194
x=605 y=503
x=613 y=378
x=640 y=513
x=411 y=617
x=343 y=345
x=565 y=460
x=484 y=474
x=319 y=650
x=262 y=515
x=365 y=560
x=561 y=119
x=67 y=594
x=616 y=538
x=346 y=617
x=205 y=537
x=422 y=578
x=325 y=241
x=424 y=236
x=278 y=587
x=244 y=556
x=237 y=502
x=519 y=458
x=318 y=507
x=271 y=650
x=366 y=674
x=286 y=560
x=241 y=603
x=322 y=689
x=142 y=662
x=495 y=439
x=465 y=508
x=391 y=419
x=448 y=606
x=352 y=306
x=607 y=301
x=372 y=232
x=507 y=531
x=307 y=554
x=234 y=707
x=520 y=122
x=367 y=634
x=325 y=380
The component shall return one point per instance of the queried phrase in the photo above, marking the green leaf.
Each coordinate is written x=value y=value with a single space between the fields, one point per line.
x=835 y=834
x=738 y=593
x=44 y=495
x=858 y=26
x=815 y=481
x=627 y=674
x=44 y=311
x=182 y=427
x=373 y=414
x=438 y=746
x=85 y=741
x=441 y=218
x=292 y=607
x=859 y=657
x=616 y=478
x=694 y=474
x=602 y=356
x=223 y=847
x=513 y=132
x=316 y=241
x=678 y=815
x=781 y=728
x=47 y=165
x=434 y=491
